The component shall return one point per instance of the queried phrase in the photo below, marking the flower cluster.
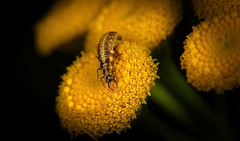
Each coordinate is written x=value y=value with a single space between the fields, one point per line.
x=212 y=54
x=66 y=21
x=212 y=51
x=206 y=9
x=85 y=106
x=143 y=21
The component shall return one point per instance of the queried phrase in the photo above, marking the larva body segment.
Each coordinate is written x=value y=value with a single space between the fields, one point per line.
x=107 y=54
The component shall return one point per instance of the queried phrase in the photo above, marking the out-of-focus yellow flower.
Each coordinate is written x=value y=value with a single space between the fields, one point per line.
x=66 y=21
x=206 y=9
x=212 y=54
x=143 y=21
x=85 y=106
x=146 y=21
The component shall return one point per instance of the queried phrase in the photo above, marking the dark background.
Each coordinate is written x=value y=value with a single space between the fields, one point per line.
x=31 y=81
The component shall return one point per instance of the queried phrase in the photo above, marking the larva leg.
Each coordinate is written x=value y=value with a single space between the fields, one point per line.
x=117 y=55
x=114 y=72
x=102 y=81
x=98 y=72
x=109 y=87
x=115 y=83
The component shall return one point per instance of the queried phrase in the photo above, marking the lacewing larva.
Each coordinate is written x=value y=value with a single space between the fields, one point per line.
x=107 y=53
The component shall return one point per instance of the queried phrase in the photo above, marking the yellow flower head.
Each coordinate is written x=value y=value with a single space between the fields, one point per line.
x=85 y=106
x=64 y=22
x=210 y=8
x=212 y=54
x=146 y=21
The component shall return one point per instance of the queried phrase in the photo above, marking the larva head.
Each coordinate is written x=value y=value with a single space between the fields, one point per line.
x=109 y=78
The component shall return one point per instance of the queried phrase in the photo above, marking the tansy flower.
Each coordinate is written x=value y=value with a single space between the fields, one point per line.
x=212 y=54
x=206 y=9
x=143 y=21
x=85 y=106
x=66 y=21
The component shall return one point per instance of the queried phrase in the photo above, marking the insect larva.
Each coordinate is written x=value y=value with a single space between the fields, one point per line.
x=107 y=54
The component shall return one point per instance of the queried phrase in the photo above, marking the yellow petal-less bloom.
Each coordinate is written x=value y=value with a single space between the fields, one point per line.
x=212 y=54
x=85 y=106
x=146 y=21
x=206 y=9
x=66 y=21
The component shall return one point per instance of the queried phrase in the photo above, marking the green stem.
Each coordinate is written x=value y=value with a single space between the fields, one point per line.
x=153 y=124
x=185 y=104
x=163 y=97
x=174 y=80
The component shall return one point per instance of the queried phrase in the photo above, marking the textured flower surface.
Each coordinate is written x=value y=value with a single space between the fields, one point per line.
x=212 y=54
x=136 y=20
x=143 y=21
x=64 y=22
x=85 y=106
x=210 y=8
